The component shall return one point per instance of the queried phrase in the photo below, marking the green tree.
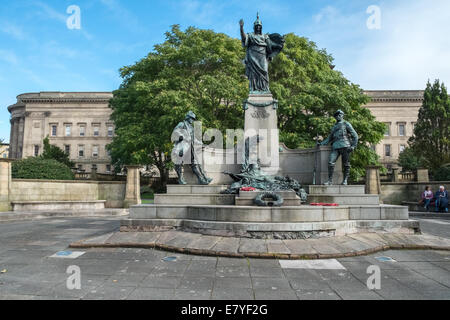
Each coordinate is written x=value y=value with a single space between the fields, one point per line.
x=409 y=160
x=201 y=70
x=310 y=91
x=55 y=153
x=197 y=70
x=431 y=139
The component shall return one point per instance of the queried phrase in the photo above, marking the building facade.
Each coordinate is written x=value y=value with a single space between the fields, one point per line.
x=77 y=122
x=4 y=150
x=399 y=111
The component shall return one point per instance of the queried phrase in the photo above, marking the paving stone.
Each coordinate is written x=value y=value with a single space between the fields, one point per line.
x=182 y=239
x=241 y=271
x=317 y=295
x=190 y=294
x=152 y=294
x=277 y=246
x=264 y=294
x=253 y=246
x=153 y=281
x=271 y=283
x=300 y=247
x=204 y=242
x=125 y=280
x=227 y=244
x=196 y=283
x=233 y=282
x=349 y=294
x=109 y=292
x=266 y=272
x=232 y=294
x=232 y=262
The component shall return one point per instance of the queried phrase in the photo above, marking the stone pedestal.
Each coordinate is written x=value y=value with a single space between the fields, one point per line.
x=373 y=183
x=94 y=174
x=422 y=175
x=261 y=119
x=5 y=184
x=133 y=188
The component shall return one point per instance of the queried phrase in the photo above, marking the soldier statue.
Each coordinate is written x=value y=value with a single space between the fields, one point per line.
x=344 y=140
x=185 y=150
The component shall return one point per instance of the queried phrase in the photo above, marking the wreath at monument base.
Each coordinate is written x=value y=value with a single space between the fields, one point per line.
x=277 y=200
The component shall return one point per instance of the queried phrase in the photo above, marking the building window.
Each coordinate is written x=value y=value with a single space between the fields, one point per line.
x=95 y=151
x=108 y=168
x=82 y=131
x=54 y=130
x=96 y=130
x=81 y=151
x=5 y=155
x=387 y=150
x=68 y=130
x=67 y=149
x=36 y=150
x=110 y=131
x=387 y=132
x=80 y=167
x=94 y=167
x=401 y=148
x=401 y=129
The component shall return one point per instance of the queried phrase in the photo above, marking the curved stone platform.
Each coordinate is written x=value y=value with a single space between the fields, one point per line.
x=324 y=248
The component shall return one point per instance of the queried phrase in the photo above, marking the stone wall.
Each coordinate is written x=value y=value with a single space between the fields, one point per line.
x=396 y=193
x=47 y=190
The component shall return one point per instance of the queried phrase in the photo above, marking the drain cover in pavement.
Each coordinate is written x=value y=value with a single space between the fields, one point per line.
x=385 y=259
x=324 y=264
x=67 y=254
x=169 y=259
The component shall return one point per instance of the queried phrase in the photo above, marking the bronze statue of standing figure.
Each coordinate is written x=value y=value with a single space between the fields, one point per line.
x=344 y=140
x=261 y=49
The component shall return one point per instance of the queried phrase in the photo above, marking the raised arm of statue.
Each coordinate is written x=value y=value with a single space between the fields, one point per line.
x=243 y=34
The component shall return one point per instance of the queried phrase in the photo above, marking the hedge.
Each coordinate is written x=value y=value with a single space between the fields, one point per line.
x=41 y=169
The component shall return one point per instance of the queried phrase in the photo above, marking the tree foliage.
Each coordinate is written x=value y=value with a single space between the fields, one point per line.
x=409 y=160
x=42 y=169
x=55 y=153
x=201 y=70
x=431 y=138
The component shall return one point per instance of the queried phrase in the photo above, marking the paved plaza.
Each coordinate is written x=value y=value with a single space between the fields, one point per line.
x=31 y=269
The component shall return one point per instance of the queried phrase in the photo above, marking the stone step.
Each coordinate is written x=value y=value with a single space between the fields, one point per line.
x=336 y=189
x=345 y=199
x=251 y=202
x=288 y=194
x=195 y=199
x=195 y=189
x=57 y=205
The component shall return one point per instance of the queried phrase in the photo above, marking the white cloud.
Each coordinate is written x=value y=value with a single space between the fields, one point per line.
x=411 y=47
x=13 y=30
x=8 y=56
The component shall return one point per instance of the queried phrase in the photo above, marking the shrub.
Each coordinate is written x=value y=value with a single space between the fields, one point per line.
x=442 y=174
x=42 y=169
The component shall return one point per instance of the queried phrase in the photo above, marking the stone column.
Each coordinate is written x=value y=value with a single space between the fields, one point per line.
x=395 y=177
x=422 y=175
x=373 y=184
x=261 y=119
x=13 y=139
x=133 y=188
x=5 y=184
x=20 y=138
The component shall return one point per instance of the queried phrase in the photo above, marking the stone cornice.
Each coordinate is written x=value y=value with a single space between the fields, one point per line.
x=395 y=95
x=65 y=100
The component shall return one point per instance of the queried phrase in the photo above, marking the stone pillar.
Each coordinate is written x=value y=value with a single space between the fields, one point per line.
x=261 y=119
x=133 y=188
x=5 y=184
x=94 y=174
x=395 y=177
x=373 y=184
x=13 y=140
x=20 y=138
x=422 y=175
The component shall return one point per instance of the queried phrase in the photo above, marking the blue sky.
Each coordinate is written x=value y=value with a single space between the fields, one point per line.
x=38 y=52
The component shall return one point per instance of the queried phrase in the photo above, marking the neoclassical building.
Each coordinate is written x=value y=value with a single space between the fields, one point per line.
x=79 y=123
x=4 y=150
